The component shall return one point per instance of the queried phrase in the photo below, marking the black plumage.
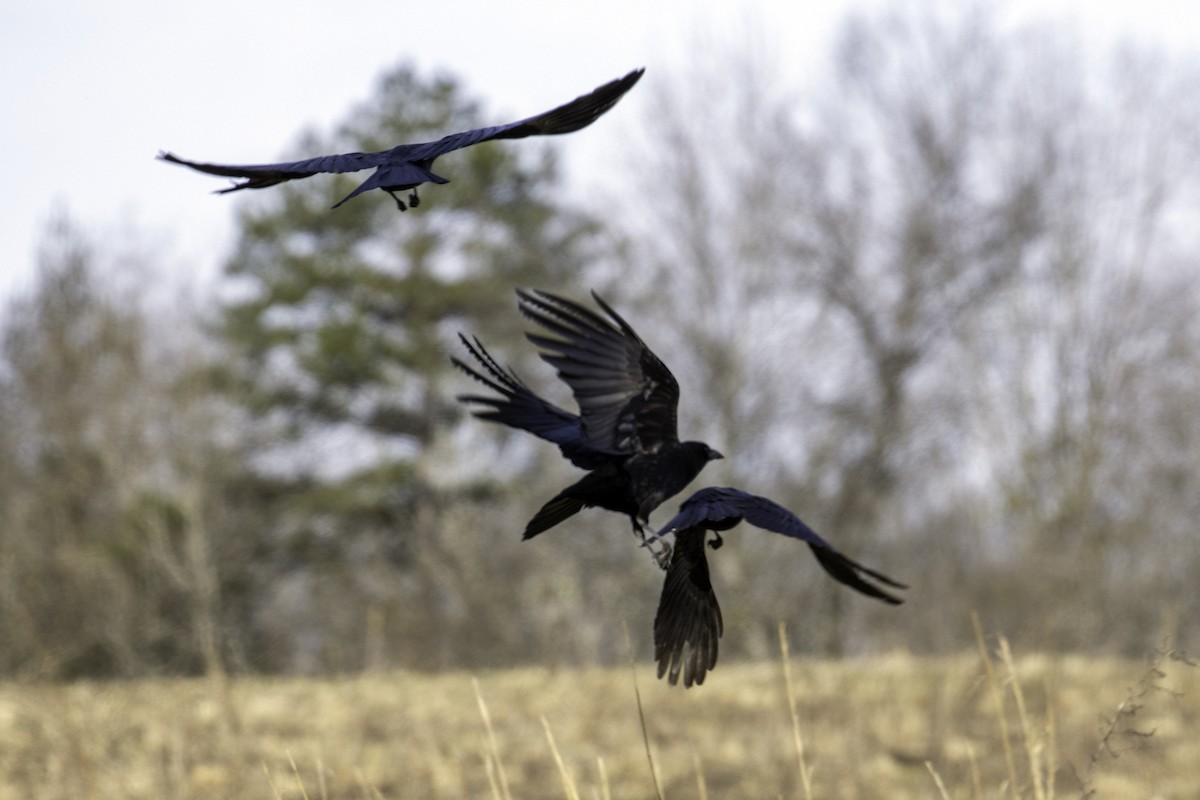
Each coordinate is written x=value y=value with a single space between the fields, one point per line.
x=688 y=623
x=407 y=166
x=625 y=432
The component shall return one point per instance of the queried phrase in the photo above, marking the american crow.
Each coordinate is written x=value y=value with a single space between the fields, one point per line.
x=407 y=166
x=688 y=623
x=625 y=432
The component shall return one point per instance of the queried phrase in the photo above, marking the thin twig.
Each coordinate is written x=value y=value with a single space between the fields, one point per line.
x=1051 y=740
x=1120 y=724
x=701 y=784
x=569 y=790
x=641 y=713
x=1027 y=732
x=976 y=781
x=296 y=772
x=937 y=779
x=805 y=772
x=489 y=766
x=271 y=781
x=998 y=702
x=605 y=789
x=491 y=735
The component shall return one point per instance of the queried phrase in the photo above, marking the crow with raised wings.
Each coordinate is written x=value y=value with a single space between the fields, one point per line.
x=688 y=623
x=625 y=431
x=407 y=166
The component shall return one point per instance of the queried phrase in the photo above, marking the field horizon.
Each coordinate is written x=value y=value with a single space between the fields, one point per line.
x=894 y=725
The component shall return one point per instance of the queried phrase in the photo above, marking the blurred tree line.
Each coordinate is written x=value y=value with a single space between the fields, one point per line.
x=943 y=304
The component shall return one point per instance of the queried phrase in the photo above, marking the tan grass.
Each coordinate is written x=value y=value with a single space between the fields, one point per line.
x=802 y=768
x=894 y=726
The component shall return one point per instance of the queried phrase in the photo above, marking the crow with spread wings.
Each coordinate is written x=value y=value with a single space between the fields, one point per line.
x=625 y=431
x=688 y=623
x=407 y=166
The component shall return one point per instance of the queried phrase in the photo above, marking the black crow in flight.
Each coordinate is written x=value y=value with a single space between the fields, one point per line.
x=625 y=431
x=407 y=166
x=688 y=623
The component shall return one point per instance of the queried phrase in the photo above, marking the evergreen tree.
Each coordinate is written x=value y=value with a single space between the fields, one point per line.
x=346 y=319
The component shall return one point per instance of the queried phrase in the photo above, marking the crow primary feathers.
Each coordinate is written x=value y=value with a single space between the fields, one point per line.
x=406 y=166
x=625 y=431
x=688 y=623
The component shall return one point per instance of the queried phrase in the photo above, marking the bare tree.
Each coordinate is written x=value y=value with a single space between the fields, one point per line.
x=876 y=283
x=115 y=469
x=1083 y=408
x=856 y=233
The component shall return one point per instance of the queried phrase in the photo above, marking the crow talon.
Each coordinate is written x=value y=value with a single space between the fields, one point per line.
x=663 y=556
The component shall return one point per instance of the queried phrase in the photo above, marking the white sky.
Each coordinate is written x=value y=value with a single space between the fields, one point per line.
x=90 y=92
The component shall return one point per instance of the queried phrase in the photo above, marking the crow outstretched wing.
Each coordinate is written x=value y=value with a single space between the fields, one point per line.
x=720 y=508
x=519 y=407
x=406 y=166
x=627 y=397
x=567 y=118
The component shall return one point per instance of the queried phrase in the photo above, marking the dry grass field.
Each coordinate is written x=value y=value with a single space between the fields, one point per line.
x=888 y=727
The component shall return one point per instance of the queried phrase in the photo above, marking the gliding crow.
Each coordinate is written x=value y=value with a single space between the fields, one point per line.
x=407 y=166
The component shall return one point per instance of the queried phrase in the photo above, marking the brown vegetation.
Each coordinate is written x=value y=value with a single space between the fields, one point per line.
x=894 y=726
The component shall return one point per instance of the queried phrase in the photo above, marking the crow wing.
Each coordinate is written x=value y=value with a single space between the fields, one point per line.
x=720 y=508
x=408 y=165
x=519 y=407
x=567 y=118
x=627 y=397
x=259 y=176
x=688 y=624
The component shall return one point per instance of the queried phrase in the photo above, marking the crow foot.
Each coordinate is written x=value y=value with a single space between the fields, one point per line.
x=413 y=200
x=717 y=541
x=400 y=203
x=663 y=556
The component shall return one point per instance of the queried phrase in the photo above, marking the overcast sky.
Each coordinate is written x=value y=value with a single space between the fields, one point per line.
x=92 y=91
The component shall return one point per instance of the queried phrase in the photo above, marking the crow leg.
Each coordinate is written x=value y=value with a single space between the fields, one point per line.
x=638 y=530
x=399 y=203
x=413 y=200
x=662 y=557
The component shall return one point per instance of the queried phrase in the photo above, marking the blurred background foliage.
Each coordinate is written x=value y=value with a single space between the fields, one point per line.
x=942 y=303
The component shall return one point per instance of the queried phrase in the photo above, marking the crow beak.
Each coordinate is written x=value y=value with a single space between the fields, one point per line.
x=713 y=455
